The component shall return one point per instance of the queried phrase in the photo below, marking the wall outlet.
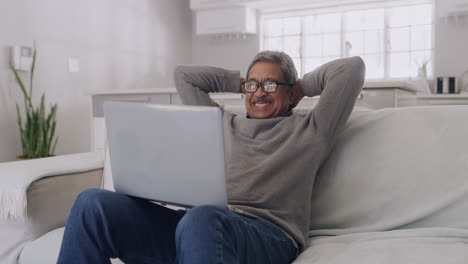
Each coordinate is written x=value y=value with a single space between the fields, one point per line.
x=21 y=58
x=73 y=65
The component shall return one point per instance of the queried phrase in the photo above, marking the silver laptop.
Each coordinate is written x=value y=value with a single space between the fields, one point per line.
x=167 y=153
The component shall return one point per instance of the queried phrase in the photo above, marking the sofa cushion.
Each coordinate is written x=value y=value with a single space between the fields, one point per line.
x=416 y=246
x=45 y=249
x=42 y=250
x=395 y=168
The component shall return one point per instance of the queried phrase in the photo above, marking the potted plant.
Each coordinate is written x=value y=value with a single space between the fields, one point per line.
x=37 y=132
x=422 y=67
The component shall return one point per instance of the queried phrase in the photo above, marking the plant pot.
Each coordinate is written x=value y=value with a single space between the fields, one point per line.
x=21 y=157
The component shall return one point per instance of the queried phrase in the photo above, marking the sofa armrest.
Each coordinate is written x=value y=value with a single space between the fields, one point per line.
x=49 y=201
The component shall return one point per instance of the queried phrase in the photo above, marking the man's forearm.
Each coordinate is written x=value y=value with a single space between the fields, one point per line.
x=193 y=83
x=338 y=83
x=315 y=82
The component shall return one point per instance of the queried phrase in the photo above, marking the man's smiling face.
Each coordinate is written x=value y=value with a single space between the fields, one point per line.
x=267 y=105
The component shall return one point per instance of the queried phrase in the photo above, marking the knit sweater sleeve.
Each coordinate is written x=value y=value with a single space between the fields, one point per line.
x=338 y=83
x=193 y=83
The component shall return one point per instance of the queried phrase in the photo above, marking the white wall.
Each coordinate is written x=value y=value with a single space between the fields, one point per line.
x=120 y=44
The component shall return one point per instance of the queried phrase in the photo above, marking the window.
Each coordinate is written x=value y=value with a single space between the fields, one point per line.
x=393 y=41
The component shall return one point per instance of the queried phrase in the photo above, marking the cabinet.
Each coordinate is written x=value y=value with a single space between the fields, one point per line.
x=373 y=95
x=378 y=95
x=434 y=99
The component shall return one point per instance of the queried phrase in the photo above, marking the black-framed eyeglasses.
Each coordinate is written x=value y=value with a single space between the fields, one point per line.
x=267 y=86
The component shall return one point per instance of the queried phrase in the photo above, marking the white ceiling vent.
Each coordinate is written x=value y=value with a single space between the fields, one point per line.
x=452 y=8
x=227 y=20
x=206 y=4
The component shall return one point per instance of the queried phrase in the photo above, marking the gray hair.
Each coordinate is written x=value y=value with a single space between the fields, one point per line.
x=282 y=59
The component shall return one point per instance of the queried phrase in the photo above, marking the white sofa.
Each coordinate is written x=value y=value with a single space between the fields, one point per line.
x=393 y=190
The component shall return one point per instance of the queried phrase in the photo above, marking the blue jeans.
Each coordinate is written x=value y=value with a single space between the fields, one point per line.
x=104 y=224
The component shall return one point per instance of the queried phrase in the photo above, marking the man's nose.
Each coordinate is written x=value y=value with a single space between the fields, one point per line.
x=260 y=92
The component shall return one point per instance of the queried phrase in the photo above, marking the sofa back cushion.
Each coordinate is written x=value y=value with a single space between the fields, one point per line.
x=395 y=168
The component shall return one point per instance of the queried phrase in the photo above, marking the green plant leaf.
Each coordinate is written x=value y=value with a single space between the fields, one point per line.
x=45 y=143
x=51 y=136
x=21 y=130
x=42 y=142
x=27 y=134
x=51 y=117
x=53 y=148
x=27 y=98
x=53 y=111
x=33 y=66
x=34 y=135
x=38 y=130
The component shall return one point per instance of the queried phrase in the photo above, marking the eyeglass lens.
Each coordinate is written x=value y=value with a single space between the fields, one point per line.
x=268 y=86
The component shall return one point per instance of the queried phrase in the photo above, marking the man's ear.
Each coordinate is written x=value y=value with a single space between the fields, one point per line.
x=295 y=94
x=291 y=96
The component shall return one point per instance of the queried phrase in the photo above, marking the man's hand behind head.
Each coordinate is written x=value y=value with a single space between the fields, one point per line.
x=242 y=80
x=296 y=93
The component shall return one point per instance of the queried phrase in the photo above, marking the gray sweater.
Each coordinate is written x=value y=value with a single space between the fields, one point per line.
x=271 y=163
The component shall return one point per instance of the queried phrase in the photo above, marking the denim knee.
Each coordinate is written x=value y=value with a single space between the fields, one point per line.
x=89 y=197
x=200 y=219
x=90 y=200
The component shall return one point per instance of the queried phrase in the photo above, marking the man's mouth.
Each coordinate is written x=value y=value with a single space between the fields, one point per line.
x=261 y=103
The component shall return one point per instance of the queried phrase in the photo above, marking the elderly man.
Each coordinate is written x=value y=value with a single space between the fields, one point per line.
x=272 y=156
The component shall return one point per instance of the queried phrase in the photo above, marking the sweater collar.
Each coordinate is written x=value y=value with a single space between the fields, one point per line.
x=285 y=114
